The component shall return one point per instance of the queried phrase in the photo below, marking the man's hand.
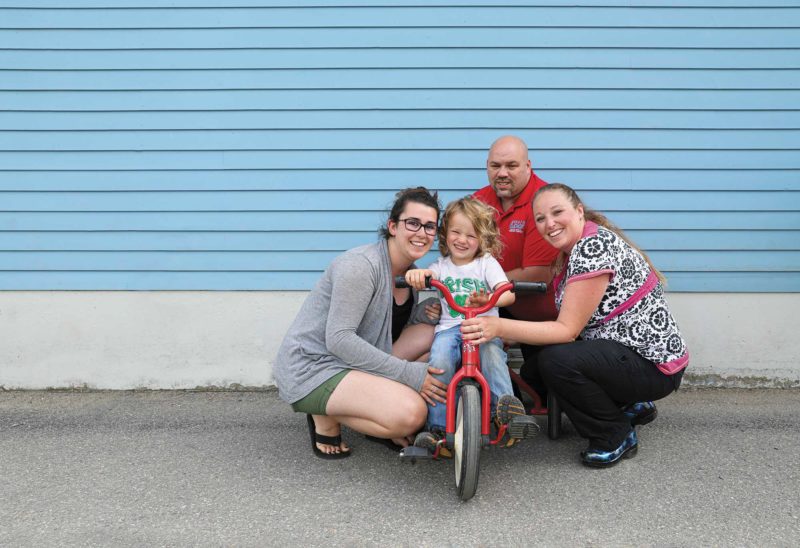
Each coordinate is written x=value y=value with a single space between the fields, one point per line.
x=531 y=274
x=433 y=311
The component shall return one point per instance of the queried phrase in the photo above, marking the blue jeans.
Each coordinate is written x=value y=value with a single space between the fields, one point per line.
x=446 y=354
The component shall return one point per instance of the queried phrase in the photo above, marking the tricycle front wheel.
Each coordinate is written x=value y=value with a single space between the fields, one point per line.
x=467 y=441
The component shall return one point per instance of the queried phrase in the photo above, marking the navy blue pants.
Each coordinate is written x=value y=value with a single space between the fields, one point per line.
x=594 y=380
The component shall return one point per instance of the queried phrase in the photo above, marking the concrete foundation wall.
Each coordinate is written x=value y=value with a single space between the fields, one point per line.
x=177 y=340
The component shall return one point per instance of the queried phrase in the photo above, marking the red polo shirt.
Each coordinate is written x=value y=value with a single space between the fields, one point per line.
x=523 y=246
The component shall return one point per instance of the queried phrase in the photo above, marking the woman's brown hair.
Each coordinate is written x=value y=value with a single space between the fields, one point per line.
x=418 y=195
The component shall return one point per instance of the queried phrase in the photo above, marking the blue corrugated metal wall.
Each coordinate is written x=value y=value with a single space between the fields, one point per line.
x=242 y=145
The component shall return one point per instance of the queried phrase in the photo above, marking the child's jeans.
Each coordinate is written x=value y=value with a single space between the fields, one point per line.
x=446 y=354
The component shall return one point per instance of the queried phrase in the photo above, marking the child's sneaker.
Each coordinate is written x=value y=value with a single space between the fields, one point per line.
x=642 y=412
x=431 y=440
x=511 y=412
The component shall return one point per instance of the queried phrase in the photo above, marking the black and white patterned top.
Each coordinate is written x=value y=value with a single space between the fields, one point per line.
x=633 y=310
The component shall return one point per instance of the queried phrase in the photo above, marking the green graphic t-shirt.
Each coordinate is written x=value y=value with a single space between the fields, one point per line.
x=482 y=273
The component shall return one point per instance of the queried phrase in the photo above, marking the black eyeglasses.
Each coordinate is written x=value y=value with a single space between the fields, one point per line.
x=413 y=224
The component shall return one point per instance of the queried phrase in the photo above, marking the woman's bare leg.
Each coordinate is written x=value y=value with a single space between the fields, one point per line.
x=414 y=343
x=377 y=406
x=328 y=426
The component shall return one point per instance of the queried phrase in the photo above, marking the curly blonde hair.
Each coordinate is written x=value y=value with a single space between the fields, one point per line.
x=482 y=218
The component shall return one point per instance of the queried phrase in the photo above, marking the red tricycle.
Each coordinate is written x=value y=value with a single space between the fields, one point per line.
x=468 y=421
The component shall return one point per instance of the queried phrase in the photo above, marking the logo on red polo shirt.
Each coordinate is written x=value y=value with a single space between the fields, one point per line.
x=517 y=226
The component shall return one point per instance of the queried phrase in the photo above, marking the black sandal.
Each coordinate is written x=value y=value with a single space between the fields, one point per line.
x=327 y=440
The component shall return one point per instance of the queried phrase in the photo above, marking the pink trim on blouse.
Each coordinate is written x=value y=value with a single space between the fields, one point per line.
x=589 y=229
x=670 y=368
x=593 y=274
x=647 y=287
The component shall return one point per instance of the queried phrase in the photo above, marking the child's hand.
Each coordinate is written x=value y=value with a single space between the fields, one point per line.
x=478 y=298
x=416 y=278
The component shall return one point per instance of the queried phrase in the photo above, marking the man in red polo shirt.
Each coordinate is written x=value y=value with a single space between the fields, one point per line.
x=525 y=256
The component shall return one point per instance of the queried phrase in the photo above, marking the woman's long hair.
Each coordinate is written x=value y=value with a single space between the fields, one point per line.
x=482 y=218
x=597 y=218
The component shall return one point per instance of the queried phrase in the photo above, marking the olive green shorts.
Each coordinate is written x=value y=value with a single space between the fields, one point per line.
x=316 y=402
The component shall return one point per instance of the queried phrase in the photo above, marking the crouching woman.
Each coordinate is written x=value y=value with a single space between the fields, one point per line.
x=352 y=354
x=611 y=297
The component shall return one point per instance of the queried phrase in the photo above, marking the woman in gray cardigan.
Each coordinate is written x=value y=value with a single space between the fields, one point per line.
x=345 y=358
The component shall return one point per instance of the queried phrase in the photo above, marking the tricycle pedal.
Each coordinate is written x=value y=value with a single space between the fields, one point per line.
x=523 y=426
x=413 y=453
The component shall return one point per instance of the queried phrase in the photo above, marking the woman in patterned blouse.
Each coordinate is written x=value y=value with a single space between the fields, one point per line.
x=615 y=345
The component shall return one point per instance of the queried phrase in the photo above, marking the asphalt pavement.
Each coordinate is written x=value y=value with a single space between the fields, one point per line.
x=719 y=467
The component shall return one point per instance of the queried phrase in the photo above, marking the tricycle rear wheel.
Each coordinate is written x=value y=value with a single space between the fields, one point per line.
x=553 y=417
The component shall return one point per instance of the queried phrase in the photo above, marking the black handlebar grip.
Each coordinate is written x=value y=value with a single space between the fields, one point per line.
x=530 y=287
x=400 y=281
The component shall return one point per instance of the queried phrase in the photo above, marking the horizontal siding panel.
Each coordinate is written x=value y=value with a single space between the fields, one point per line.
x=465 y=180
x=287 y=261
x=719 y=240
x=366 y=200
x=219 y=221
x=472 y=57
x=403 y=78
x=420 y=119
x=406 y=16
x=469 y=98
x=396 y=139
x=180 y=4
x=166 y=281
x=185 y=241
x=739 y=282
x=132 y=261
x=542 y=37
x=722 y=282
x=361 y=220
x=394 y=159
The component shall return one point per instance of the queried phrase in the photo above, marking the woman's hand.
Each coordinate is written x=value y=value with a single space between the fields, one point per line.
x=433 y=390
x=416 y=277
x=481 y=329
x=433 y=311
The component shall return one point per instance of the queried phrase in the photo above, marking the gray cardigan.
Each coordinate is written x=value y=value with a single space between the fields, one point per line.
x=346 y=323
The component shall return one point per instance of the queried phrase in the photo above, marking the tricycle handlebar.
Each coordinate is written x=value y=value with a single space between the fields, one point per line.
x=400 y=281
x=530 y=287
x=471 y=312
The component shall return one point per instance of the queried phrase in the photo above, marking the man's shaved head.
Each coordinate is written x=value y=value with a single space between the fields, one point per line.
x=508 y=168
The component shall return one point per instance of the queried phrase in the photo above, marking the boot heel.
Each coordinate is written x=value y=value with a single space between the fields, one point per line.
x=630 y=453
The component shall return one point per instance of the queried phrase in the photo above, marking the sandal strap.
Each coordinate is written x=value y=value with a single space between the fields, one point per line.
x=327 y=440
